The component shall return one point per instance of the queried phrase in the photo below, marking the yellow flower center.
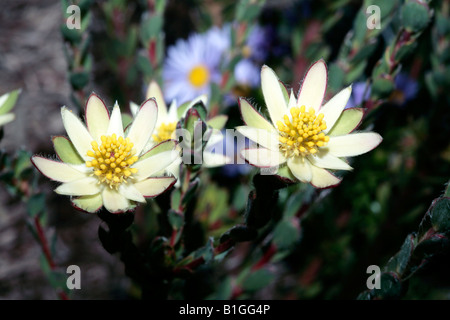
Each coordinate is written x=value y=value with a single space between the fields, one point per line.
x=112 y=160
x=165 y=132
x=303 y=135
x=199 y=76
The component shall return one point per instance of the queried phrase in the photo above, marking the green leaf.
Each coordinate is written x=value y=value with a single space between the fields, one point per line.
x=364 y=53
x=79 y=80
x=182 y=109
x=257 y=280
x=239 y=233
x=390 y=286
x=36 y=205
x=175 y=199
x=176 y=220
x=223 y=291
x=162 y=147
x=348 y=121
x=144 y=65
x=360 y=27
x=22 y=163
x=285 y=174
x=8 y=100
x=151 y=28
x=415 y=16
x=335 y=77
x=285 y=234
x=191 y=191
x=355 y=72
x=399 y=262
x=293 y=205
x=71 y=35
x=405 y=50
x=440 y=215
x=382 y=87
x=66 y=150
x=218 y=122
x=207 y=252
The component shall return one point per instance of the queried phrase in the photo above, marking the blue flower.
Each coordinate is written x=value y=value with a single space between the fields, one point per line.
x=193 y=64
x=405 y=89
x=358 y=96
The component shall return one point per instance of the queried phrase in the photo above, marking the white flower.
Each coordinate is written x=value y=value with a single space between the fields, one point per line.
x=7 y=102
x=166 y=124
x=305 y=136
x=192 y=65
x=104 y=166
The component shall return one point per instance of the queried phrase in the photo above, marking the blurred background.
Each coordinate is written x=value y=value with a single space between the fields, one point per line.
x=400 y=74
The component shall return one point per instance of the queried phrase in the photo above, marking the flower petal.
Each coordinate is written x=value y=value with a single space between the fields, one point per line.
x=353 y=144
x=154 y=91
x=82 y=187
x=114 y=202
x=77 y=132
x=89 y=203
x=347 y=122
x=55 y=170
x=292 y=100
x=6 y=118
x=143 y=125
x=273 y=94
x=115 y=122
x=313 y=87
x=152 y=187
x=332 y=110
x=134 y=108
x=97 y=117
x=328 y=161
x=253 y=118
x=300 y=168
x=263 y=158
x=267 y=139
x=130 y=192
x=154 y=164
x=321 y=178
x=211 y=160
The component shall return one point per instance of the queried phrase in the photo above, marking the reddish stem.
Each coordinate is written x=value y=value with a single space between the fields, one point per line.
x=265 y=258
x=43 y=242
x=46 y=251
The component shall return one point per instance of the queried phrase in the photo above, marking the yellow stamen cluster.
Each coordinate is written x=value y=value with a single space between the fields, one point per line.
x=165 y=132
x=112 y=160
x=303 y=135
x=198 y=76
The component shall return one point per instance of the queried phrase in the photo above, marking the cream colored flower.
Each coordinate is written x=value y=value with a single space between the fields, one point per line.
x=304 y=136
x=7 y=102
x=166 y=125
x=104 y=166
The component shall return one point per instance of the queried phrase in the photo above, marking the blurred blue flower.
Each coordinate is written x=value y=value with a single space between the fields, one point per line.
x=192 y=65
x=405 y=89
x=247 y=73
x=358 y=96
x=258 y=44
